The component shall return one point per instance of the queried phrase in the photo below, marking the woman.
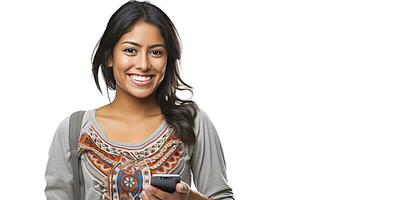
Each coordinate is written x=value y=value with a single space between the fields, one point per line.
x=147 y=129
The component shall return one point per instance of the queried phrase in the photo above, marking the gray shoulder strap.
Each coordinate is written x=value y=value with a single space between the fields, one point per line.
x=74 y=132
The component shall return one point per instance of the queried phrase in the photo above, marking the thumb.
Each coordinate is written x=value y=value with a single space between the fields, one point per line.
x=182 y=187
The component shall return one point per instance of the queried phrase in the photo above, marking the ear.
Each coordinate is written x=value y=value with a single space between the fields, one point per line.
x=110 y=62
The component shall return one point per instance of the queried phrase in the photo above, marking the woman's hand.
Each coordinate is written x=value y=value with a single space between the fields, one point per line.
x=152 y=193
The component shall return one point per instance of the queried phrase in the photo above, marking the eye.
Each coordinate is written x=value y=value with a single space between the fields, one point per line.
x=157 y=53
x=130 y=50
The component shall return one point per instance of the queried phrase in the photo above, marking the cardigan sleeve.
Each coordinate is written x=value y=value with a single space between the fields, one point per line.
x=208 y=161
x=59 y=174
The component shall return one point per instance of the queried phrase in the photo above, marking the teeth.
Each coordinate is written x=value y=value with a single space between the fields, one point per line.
x=140 y=78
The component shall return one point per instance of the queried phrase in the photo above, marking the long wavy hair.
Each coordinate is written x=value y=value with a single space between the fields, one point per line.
x=179 y=113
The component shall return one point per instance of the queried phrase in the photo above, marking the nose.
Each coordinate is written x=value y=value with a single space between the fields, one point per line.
x=143 y=62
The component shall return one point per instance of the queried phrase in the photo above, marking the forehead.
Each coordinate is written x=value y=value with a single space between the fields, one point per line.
x=143 y=33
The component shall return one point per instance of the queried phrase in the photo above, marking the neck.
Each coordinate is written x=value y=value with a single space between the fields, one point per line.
x=132 y=108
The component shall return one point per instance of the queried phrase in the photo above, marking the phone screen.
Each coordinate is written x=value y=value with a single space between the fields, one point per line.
x=165 y=182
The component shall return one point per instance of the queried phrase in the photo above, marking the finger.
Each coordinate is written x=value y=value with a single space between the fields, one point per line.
x=146 y=195
x=156 y=192
x=182 y=187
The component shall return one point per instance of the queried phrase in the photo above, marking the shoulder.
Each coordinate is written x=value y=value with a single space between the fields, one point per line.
x=62 y=130
x=63 y=125
x=203 y=124
x=201 y=115
x=87 y=114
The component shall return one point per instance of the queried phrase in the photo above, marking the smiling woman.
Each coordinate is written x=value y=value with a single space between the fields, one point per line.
x=139 y=60
x=147 y=129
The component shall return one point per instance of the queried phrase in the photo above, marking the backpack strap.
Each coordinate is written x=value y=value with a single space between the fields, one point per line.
x=75 y=124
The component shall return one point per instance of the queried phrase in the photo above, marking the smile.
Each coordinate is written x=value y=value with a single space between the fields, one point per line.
x=139 y=80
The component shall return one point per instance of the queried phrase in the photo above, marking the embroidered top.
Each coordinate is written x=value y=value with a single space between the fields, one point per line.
x=114 y=170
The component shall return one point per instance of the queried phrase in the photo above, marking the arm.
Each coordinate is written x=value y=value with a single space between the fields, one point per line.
x=59 y=171
x=208 y=161
x=208 y=168
x=193 y=195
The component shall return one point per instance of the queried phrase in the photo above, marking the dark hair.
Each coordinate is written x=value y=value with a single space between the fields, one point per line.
x=179 y=113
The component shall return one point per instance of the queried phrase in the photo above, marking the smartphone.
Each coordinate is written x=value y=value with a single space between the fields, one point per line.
x=165 y=182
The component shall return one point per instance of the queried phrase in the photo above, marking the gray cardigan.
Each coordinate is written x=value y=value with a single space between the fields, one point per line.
x=113 y=170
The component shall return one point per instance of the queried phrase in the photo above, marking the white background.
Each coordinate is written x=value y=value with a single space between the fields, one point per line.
x=311 y=99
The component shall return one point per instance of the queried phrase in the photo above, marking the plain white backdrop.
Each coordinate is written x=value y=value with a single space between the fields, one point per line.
x=311 y=99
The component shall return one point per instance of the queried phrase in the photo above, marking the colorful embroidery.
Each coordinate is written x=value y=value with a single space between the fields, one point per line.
x=126 y=170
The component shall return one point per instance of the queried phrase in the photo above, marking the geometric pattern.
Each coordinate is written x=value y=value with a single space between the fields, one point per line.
x=123 y=171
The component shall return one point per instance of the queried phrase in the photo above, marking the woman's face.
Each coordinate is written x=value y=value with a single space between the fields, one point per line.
x=139 y=60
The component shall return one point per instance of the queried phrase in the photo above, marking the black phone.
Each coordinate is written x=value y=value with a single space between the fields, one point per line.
x=165 y=182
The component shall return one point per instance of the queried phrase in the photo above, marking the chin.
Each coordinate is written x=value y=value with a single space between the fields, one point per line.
x=143 y=95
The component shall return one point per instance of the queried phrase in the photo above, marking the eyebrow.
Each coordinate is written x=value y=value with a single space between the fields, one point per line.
x=139 y=45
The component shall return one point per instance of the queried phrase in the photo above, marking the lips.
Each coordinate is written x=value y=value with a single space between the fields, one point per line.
x=141 y=74
x=140 y=77
x=140 y=81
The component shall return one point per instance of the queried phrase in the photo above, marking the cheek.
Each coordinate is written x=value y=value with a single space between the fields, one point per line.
x=161 y=78
x=161 y=69
x=120 y=67
x=124 y=63
x=162 y=74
